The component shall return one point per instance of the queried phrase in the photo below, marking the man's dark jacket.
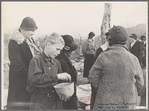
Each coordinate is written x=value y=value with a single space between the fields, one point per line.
x=137 y=50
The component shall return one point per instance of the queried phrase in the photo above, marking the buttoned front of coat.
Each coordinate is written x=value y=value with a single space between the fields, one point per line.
x=42 y=76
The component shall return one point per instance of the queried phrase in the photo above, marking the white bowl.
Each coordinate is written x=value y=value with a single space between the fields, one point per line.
x=66 y=89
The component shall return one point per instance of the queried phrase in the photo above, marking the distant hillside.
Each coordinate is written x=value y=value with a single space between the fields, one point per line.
x=140 y=29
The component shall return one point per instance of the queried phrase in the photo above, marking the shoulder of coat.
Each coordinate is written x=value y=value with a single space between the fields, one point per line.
x=62 y=61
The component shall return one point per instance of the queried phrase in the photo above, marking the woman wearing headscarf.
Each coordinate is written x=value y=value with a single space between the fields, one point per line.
x=67 y=67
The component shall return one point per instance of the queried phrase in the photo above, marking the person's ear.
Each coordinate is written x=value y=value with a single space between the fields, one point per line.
x=48 y=44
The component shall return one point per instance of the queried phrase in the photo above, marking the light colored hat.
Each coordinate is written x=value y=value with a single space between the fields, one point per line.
x=66 y=89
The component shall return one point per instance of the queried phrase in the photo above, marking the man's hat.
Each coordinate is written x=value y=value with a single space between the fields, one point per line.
x=70 y=44
x=143 y=37
x=28 y=24
x=118 y=35
x=134 y=36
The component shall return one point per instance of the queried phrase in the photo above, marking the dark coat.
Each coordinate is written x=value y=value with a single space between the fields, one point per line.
x=118 y=78
x=19 y=56
x=98 y=51
x=88 y=63
x=137 y=50
x=67 y=66
x=42 y=76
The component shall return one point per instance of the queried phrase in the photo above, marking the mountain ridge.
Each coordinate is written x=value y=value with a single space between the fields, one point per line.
x=139 y=30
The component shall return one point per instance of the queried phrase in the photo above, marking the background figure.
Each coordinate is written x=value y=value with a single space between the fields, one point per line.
x=89 y=54
x=143 y=92
x=143 y=41
x=21 y=50
x=67 y=66
x=120 y=81
x=102 y=48
x=136 y=48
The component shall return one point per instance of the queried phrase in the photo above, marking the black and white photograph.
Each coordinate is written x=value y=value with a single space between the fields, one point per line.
x=74 y=55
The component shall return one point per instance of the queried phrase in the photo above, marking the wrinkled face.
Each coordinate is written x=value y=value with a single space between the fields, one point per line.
x=54 y=49
x=27 y=34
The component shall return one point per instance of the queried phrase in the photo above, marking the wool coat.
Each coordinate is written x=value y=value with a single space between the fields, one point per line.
x=19 y=56
x=42 y=76
x=118 y=78
x=67 y=66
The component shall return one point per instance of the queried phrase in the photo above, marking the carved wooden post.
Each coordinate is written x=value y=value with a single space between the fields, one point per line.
x=106 y=21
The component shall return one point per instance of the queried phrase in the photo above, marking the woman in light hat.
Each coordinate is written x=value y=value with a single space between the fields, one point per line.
x=21 y=49
x=67 y=66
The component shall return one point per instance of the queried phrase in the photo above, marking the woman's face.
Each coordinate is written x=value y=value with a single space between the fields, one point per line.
x=27 y=34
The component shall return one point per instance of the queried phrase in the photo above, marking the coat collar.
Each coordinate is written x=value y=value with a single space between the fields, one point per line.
x=46 y=58
x=63 y=56
x=118 y=46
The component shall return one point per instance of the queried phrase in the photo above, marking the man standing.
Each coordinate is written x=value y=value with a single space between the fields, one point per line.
x=21 y=49
x=116 y=75
x=143 y=41
x=136 y=48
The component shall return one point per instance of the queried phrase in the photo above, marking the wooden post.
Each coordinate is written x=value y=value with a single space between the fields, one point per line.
x=106 y=21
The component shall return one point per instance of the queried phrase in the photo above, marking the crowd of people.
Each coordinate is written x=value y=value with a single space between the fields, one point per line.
x=113 y=70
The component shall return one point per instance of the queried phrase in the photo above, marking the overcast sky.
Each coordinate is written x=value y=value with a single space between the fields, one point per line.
x=72 y=18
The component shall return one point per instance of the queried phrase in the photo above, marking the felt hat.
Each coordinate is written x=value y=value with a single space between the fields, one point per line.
x=28 y=24
x=118 y=35
x=143 y=37
x=134 y=36
x=70 y=44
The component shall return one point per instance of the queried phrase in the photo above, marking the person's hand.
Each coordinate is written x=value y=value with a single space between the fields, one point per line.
x=64 y=98
x=64 y=77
